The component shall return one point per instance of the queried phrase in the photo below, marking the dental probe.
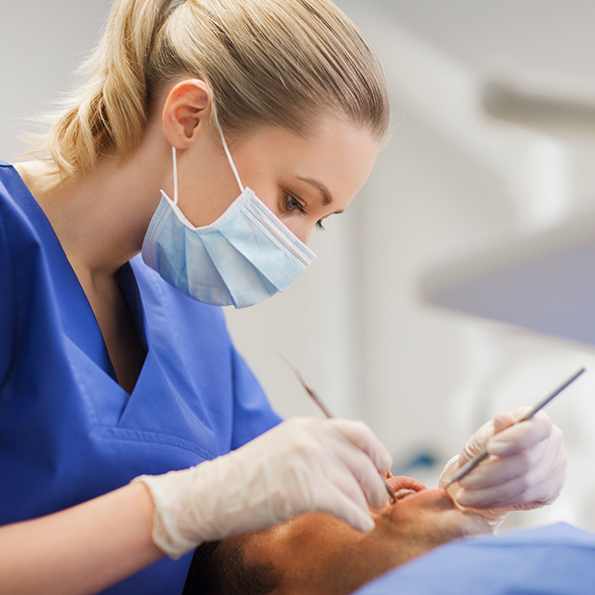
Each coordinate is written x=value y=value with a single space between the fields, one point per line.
x=470 y=465
x=327 y=413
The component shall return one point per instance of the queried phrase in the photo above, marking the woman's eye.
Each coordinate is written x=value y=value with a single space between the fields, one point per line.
x=293 y=203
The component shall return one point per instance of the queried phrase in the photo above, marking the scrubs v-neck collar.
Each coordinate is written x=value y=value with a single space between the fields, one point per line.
x=77 y=316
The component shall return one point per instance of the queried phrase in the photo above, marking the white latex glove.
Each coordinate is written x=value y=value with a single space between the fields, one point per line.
x=302 y=465
x=526 y=468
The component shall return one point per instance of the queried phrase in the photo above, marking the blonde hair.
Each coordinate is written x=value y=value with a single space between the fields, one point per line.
x=281 y=62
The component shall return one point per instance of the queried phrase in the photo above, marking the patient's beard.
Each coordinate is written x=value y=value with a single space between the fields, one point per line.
x=352 y=567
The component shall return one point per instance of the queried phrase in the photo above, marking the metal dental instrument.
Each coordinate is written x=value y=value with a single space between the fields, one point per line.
x=327 y=413
x=470 y=465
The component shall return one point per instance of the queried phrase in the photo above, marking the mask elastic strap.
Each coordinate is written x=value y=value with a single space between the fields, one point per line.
x=175 y=176
x=229 y=157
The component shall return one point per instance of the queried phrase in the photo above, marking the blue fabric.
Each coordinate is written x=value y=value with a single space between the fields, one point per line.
x=68 y=431
x=545 y=561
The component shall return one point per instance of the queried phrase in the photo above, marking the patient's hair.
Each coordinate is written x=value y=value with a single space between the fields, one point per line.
x=219 y=570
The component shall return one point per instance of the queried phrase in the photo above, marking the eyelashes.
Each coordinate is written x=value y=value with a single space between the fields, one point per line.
x=292 y=204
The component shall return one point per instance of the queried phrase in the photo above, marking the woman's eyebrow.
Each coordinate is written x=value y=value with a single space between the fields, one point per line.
x=327 y=199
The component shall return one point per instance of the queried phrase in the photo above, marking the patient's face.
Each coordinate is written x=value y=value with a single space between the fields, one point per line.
x=316 y=553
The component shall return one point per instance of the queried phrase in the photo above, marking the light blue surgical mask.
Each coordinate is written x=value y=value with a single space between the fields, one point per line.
x=244 y=257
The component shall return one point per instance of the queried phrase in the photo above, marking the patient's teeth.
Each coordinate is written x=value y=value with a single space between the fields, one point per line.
x=404 y=492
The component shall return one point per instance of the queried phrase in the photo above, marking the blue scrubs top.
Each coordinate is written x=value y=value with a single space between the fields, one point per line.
x=68 y=431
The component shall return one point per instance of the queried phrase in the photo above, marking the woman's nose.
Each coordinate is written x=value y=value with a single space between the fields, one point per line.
x=304 y=235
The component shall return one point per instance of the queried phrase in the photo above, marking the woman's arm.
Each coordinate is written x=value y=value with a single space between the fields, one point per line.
x=81 y=550
x=301 y=465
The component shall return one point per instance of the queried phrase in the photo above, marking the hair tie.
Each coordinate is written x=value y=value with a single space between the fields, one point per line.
x=172 y=5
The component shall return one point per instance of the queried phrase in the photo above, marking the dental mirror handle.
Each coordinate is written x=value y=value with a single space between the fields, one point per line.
x=328 y=414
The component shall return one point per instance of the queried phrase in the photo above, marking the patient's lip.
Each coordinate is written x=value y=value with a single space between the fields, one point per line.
x=404 y=486
x=433 y=493
x=402 y=482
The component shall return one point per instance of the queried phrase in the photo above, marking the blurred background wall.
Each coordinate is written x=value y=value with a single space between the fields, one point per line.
x=451 y=180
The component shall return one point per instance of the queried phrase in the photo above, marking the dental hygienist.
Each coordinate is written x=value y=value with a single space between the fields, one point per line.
x=212 y=136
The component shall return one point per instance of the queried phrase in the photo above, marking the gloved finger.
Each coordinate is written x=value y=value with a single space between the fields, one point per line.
x=503 y=420
x=362 y=437
x=333 y=500
x=542 y=482
x=498 y=470
x=451 y=467
x=524 y=488
x=520 y=490
x=340 y=477
x=317 y=478
x=480 y=439
x=521 y=436
x=477 y=442
x=364 y=471
x=520 y=412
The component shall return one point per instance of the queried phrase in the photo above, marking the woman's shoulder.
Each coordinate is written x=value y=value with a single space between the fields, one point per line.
x=15 y=200
x=35 y=174
x=23 y=264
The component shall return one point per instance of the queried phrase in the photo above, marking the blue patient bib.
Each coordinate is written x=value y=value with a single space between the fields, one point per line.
x=551 y=560
x=68 y=431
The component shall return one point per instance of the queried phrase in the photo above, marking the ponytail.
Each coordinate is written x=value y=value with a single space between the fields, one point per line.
x=110 y=108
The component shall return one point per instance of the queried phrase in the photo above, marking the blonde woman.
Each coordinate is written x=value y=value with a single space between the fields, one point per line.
x=211 y=136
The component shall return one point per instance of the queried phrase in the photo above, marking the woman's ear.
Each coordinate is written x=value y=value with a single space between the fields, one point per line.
x=186 y=112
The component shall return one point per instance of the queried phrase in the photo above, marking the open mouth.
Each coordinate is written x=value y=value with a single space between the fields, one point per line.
x=405 y=486
x=402 y=494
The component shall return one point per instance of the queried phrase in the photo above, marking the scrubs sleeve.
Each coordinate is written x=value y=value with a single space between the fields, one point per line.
x=253 y=414
x=7 y=306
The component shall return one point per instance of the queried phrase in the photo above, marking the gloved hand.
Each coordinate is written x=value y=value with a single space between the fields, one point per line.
x=526 y=469
x=302 y=465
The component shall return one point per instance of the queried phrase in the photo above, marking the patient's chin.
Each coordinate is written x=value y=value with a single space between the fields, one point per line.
x=455 y=524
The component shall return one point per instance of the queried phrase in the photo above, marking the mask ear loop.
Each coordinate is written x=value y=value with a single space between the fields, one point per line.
x=175 y=176
x=226 y=149
x=229 y=158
